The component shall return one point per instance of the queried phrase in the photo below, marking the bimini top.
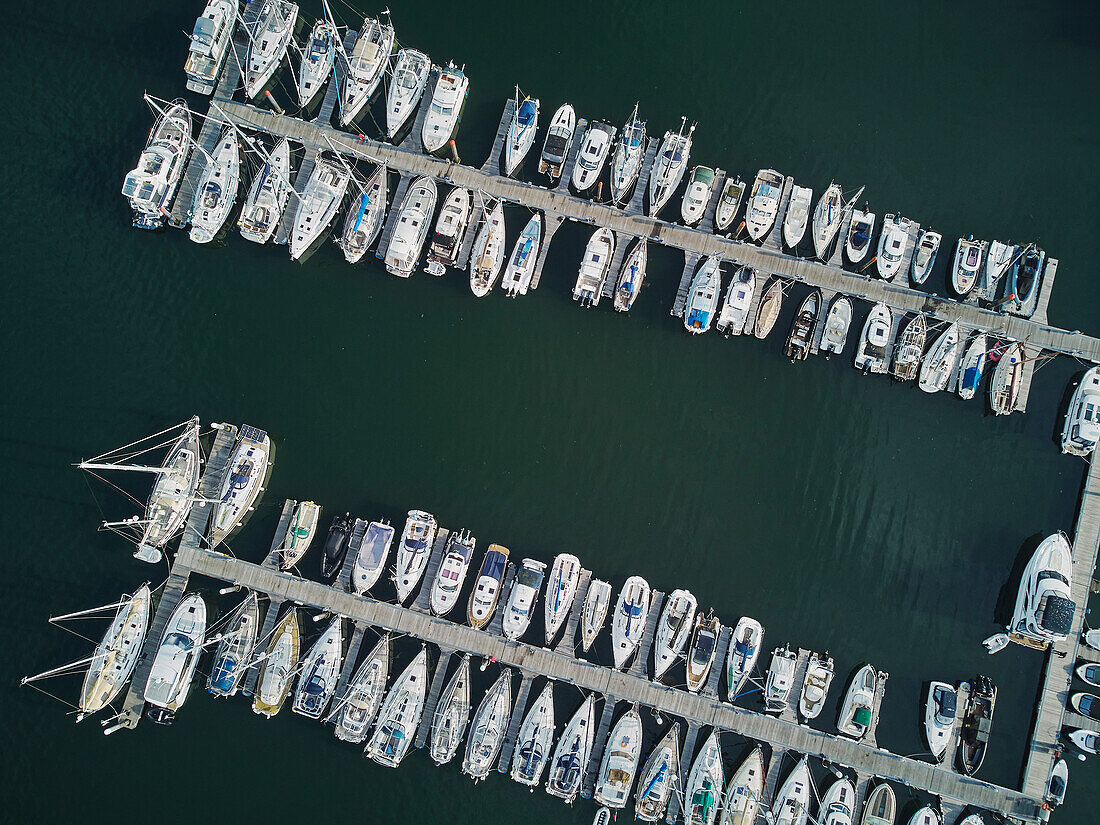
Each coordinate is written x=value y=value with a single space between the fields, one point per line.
x=526 y=113
x=1058 y=615
x=493 y=566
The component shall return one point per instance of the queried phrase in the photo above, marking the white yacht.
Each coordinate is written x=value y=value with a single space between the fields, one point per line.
x=318 y=58
x=412 y=226
x=267 y=196
x=631 y=276
x=487 y=255
x=365 y=216
x=828 y=215
x=536 y=736
x=370 y=561
x=210 y=43
x=234 y=655
x=400 y=714
x=452 y=715
x=521 y=133
x=860 y=231
x=268 y=39
x=668 y=167
x=837 y=806
x=925 y=816
x=777 y=688
x=521 y=263
x=673 y=629
x=244 y=478
x=659 y=778
x=445 y=109
x=798 y=215
x=555 y=149
x=450 y=228
x=1082 y=428
x=319 y=671
x=520 y=608
x=116 y=654
x=488 y=727
x=702 y=301
x=763 y=203
x=592 y=156
x=410 y=76
x=487 y=586
x=735 y=308
x=360 y=702
x=729 y=202
x=744 y=651
x=597 y=601
x=594 y=267
x=620 y=762
x=697 y=196
x=702 y=650
x=277 y=666
x=626 y=163
x=1044 y=605
x=837 y=323
x=745 y=791
x=792 y=802
x=152 y=184
x=631 y=612
x=561 y=590
x=176 y=658
x=318 y=204
x=570 y=759
x=815 y=687
x=703 y=792
x=412 y=553
x=939 y=364
x=452 y=572
x=939 y=718
x=967 y=265
x=925 y=257
x=855 y=712
x=871 y=355
x=366 y=65
x=216 y=192
x=1004 y=386
x=891 y=246
x=973 y=366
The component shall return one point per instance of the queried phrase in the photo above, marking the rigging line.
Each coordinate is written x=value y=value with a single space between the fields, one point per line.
x=115 y=486
x=154 y=435
x=80 y=635
x=53 y=696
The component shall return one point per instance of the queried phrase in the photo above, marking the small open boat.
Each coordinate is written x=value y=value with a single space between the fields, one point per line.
x=728 y=203
x=768 y=311
x=803 y=327
x=925 y=257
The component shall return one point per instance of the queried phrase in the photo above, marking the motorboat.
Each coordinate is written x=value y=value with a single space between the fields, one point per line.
x=336 y=545
x=838 y=321
x=365 y=67
x=592 y=156
x=561 y=590
x=881 y=806
x=365 y=217
x=1081 y=430
x=521 y=133
x=659 y=778
x=798 y=215
x=210 y=39
x=399 y=717
x=620 y=761
x=1091 y=638
x=777 y=687
x=626 y=161
x=318 y=58
x=487 y=254
x=117 y=653
x=745 y=791
x=803 y=327
x=277 y=666
x=1056 y=785
x=299 y=534
x=452 y=572
x=837 y=806
x=702 y=302
x=411 y=229
x=1024 y=277
x=357 y=708
x=267 y=196
x=973 y=366
x=925 y=816
x=571 y=755
x=891 y=246
x=488 y=727
x=702 y=650
x=856 y=710
x=1044 y=605
x=370 y=561
x=318 y=204
x=768 y=311
x=1004 y=387
x=597 y=601
x=976 y=725
x=594 y=267
x=536 y=736
x=872 y=352
x=1086 y=704
x=520 y=608
x=268 y=38
x=729 y=202
x=410 y=76
x=603 y=816
x=705 y=781
x=860 y=231
x=445 y=108
x=521 y=263
x=909 y=348
x=490 y=579
x=234 y=653
x=734 y=313
x=939 y=717
x=668 y=167
x=631 y=612
x=744 y=651
x=1086 y=740
x=828 y=215
x=452 y=715
x=673 y=630
x=763 y=203
x=697 y=196
x=928 y=246
x=998 y=260
x=815 y=687
x=319 y=671
x=417 y=539
x=175 y=660
x=555 y=149
x=450 y=228
x=248 y=467
x=631 y=276
x=967 y=265
x=151 y=185
x=792 y=802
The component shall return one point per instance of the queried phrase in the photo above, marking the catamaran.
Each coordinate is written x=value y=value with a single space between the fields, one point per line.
x=521 y=133
x=673 y=629
x=555 y=149
x=827 y=218
x=967 y=265
x=596 y=603
x=217 y=189
x=594 y=267
x=365 y=67
x=837 y=323
x=631 y=276
x=412 y=227
x=940 y=710
x=871 y=354
x=697 y=196
x=925 y=257
x=619 y=762
x=490 y=579
x=117 y=653
x=860 y=232
x=701 y=652
x=268 y=39
x=318 y=58
x=745 y=791
x=277 y=666
x=592 y=156
x=728 y=203
x=1081 y=430
x=744 y=650
x=909 y=348
x=1004 y=387
x=320 y=670
x=175 y=661
x=210 y=41
x=703 y=792
x=626 y=164
x=973 y=366
x=570 y=759
x=452 y=572
x=267 y=196
x=521 y=263
x=152 y=184
x=939 y=364
x=520 y=608
x=247 y=470
x=356 y=709
x=855 y=712
x=370 y=561
x=412 y=553
x=1044 y=605
x=235 y=650
x=487 y=255
x=445 y=108
x=561 y=590
x=702 y=301
x=365 y=217
x=672 y=160
x=659 y=778
x=536 y=735
x=450 y=229
x=631 y=612
x=452 y=715
x=410 y=76
x=318 y=203
x=400 y=715
x=815 y=687
x=734 y=313
x=798 y=215
x=487 y=730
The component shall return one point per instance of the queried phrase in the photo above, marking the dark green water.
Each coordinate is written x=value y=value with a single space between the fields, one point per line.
x=844 y=512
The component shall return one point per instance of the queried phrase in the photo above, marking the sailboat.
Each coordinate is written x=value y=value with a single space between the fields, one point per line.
x=594 y=267
x=318 y=204
x=909 y=349
x=939 y=364
x=673 y=630
x=815 y=687
x=734 y=314
x=631 y=276
x=488 y=252
x=763 y=203
x=745 y=791
x=452 y=715
x=702 y=301
x=669 y=166
x=521 y=133
x=827 y=218
x=267 y=196
x=488 y=727
x=410 y=76
x=973 y=366
x=798 y=216
x=210 y=43
x=268 y=39
x=417 y=539
x=555 y=149
x=320 y=670
x=703 y=792
x=450 y=228
x=367 y=63
x=445 y=108
x=1004 y=387
x=561 y=590
x=151 y=185
x=626 y=163
x=570 y=759
x=299 y=534
x=536 y=735
x=792 y=802
x=631 y=612
x=452 y=572
x=246 y=472
x=356 y=709
x=277 y=666
x=318 y=58
x=411 y=230
x=365 y=217
x=620 y=762
x=838 y=804
x=370 y=561
x=216 y=191
x=856 y=710
x=400 y=714
x=701 y=652
x=176 y=659
x=117 y=653
x=837 y=323
x=596 y=603
x=659 y=777
x=520 y=608
x=521 y=263
x=744 y=651
x=234 y=654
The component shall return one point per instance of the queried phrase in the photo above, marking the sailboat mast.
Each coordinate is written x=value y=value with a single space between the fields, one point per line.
x=57 y=671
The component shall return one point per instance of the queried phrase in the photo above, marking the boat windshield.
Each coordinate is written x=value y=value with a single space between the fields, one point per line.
x=180 y=641
x=703 y=649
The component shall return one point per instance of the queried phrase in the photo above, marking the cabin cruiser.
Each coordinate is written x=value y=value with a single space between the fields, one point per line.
x=216 y=192
x=744 y=650
x=1082 y=428
x=925 y=816
x=928 y=246
x=856 y=711
x=520 y=608
x=318 y=204
x=318 y=58
x=728 y=203
x=803 y=327
x=860 y=232
x=967 y=265
x=631 y=276
x=233 y=656
x=490 y=579
x=815 y=687
x=365 y=217
x=673 y=630
x=596 y=604
x=976 y=725
x=268 y=39
x=277 y=666
x=1024 y=277
x=594 y=267
x=837 y=323
x=370 y=561
x=487 y=730
x=445 y=108
x=400 y=714
x=412 y=226
x=697 y=196
x=1004 y=387
x=745 y=791
x=668 y=168
x=703 y=793
x=521 y=133
x=1044 y=606
x=631 y=612
x=939 y=364
x=570 y=759
x=267 y=197
x=792 y=802
x=487 y=254
x=828 y=215
x=1086 y=740
x=417 y=539
x=703 y=297
x=891 y=246
x=555 y=149
x=763 y=203
x=701 y=652
x=450 y=229
x=561 y=590
x=1056 y=784
x=620 y=762
x=837 y=805
x=626 y=163
x=973 y=366
x=521 y=263
x=798 y=215
x=117 y=653
x=777 y=688
x=939 y=718
x=410 y=76
x=909 y=349
x=768 y=311
x=360 y=702
x=336 y=544
x=366 y=65
x=152 y=184
x=452 y=572
x=593 y=156
x=881 y=806
x=734 y=313
x=659 y=777
x=320 y=670
x=1086 y=704
x=175 y=661
x=210 y=42
x=248 y=467
x=871 y=354
x=452 y=715
x=536 y=736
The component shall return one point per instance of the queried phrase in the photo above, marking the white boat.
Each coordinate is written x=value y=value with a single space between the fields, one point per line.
x=777 y=687
x=1004 y=387
x=881 y=806
x=1044 y=606
x=210 y=41
x=798 y=215
x=702 y=302
x=940 y=362
x=815 y=687
x=763 y=203
x=594 y=267
x=365 y=217
x=555 y=149
x=520 y=608
x=592 y=156
x=668 y=168
x=358 y=706
x=860 y=231
x=1087 y=740
x=940 y=710
x=318 y=58
x=697 y=196
x=370 y=561
x=973 y=366
x=673 y=630
x=487 y=586
x=596 y=604
x=410 y=76
x=701 y=651
x=488 y=728
x=626 y=163
x=417 y=539
x=967 y=265
x=452 y=715
x=631 y=276
x=620 y=761
x=838 y=804
x=445 y=108
x=570 y=759
x=728 y=203
x=792 y=802
x=521 y=263
x=487 y=254
x=659 y=778
x=631 y=612
x=925 y=816
x=1091 y=638
x=244 y=478
x=734 y=313
x=176 y=658
x=117 y=653
x=412 y=226
x=216 y=192
x=1056 y=785
x=855 y=712
x=268 y=39
x=521 y=133
x=234 y=653
x=828 y=215
x=745 y=791
x=318 y=204
x=366 y=65
x=1081 y=430
x=837 y=323
x=561 y=590
x=891 y=246
x=267 y=197
x=151 y=185
x=768 y=311
x=450 y=229
x=277 y=666
x=998 y=259
x=399 y=717
x=703 y=792
x=909 y=348
x=452 y=572
x=872 y=351
x=536 y=736
x=320 y=671
x=744 y=651
x=928 y=246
